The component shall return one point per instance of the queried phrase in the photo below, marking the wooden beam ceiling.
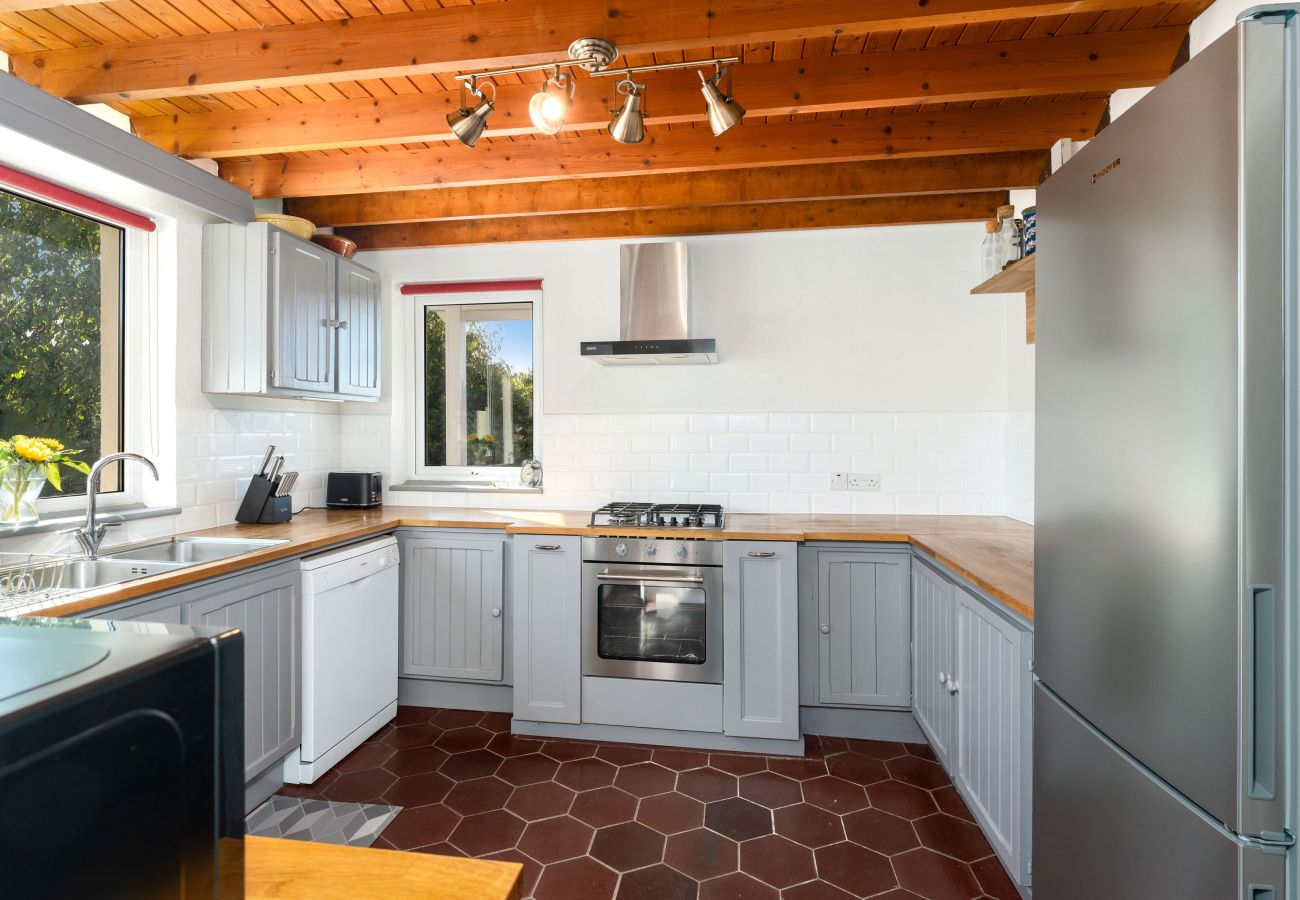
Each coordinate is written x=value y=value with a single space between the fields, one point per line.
x=1026 y=126
x=1061 y=65
x=461 y=38
x=827 y=182
x=921 y=210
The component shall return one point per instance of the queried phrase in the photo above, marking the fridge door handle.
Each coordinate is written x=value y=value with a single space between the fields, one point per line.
x=1263 y=709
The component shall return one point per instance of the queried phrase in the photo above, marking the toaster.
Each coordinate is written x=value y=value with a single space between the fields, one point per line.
x=354 y=490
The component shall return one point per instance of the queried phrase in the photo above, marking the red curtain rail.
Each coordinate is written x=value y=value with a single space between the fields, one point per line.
x=70 y=199
x=472 y=287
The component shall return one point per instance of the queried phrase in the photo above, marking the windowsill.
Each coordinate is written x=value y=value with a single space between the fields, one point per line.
x=62 y=520
x=465 y=487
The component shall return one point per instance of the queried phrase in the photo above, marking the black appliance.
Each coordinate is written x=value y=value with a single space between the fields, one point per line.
x=354 y=490
x=121 y=760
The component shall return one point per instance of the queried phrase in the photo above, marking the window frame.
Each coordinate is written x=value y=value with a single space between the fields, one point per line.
x=422 y=302
x=132 y=245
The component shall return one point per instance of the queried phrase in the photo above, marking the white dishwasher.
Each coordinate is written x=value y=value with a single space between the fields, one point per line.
x=349 y=653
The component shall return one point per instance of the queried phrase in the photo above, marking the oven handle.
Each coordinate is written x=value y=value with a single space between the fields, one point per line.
x=651 y=579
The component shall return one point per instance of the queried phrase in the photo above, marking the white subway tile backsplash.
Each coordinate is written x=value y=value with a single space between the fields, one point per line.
x=747 y=462
x=673 y=424
x=834 y=422
x=768 y=443
x=728 y=443
x=689 y=443
x=648 y=443
x=750 y=422
x=715 y=423
x=789 y=423
x=813 y=442
x=689 y=481
x=729 y=482
x=872 y=423
x=708 y=462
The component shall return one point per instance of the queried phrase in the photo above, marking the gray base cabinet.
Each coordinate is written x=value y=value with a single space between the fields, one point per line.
x=452 y=608
x=934 y=660
x=760 y=653
x=855 y=625
x=545 y=574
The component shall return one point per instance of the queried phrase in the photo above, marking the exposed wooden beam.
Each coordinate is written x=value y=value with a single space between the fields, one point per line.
x=829 y=181
x=9 y=6
x=684 y=221
x=1023 y=126
x=1063 y=65
x=462 y=38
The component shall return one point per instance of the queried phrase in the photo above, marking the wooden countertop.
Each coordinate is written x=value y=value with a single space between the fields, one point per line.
x=996 y=554
x=278 y=869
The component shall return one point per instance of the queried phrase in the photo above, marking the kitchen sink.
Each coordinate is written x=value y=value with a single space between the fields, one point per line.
x=189 y=551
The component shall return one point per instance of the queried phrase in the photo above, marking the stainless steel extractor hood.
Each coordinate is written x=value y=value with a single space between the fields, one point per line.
x=654 y=312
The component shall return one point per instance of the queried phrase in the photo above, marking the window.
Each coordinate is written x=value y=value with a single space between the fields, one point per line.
x=61 y=332
x=475 y=402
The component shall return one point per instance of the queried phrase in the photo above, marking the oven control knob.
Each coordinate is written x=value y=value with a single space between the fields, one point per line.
x=621 y=549
x=681 y=552
x=651 y=550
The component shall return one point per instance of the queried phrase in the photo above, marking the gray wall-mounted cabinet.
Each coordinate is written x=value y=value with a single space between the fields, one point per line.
x=286 y=317
x=855 y=628
x=546 y=596
x=453 y=607
x=760 y=653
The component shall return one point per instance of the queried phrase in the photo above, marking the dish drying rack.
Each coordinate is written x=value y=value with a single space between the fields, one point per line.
x=30 y=581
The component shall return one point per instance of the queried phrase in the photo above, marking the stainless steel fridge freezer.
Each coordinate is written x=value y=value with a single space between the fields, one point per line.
x=1165 y=489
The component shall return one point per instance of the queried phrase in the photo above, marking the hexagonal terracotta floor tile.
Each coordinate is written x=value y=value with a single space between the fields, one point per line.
x=797 y=767
x=415 y=760
x=935 y=876
x=706 y=784
x=949 y=801
x=563 y=751
x=456 y=718
x=738 y=763
x=877 y=749
x=953 y=837
x=421 y=827
x=680 y=760
x=418 y=790
x=552 y=840
x=487 y=832
x=412 y=736
x=925 y=751
x=365 y=786
x=645 y=779
x=528 y=878
x=623 y=754
x=671 y=813
x=738 y=886
x=770 y=789
x=478 y=795
x=808 y=825
x=581 y=877
x=413 y=715
x=460 y=740
x=834 y=794
x=738 y=819
x=777 y=861
x=586 y=774
x=540 y=801
x=901 y=799
x=530 y=769
x=627 y=846
x=370 y=755
x=496 y=722
x=474 y=764
x=822 y=890
x=656 y=883
x=994 y=879
x=856 y=869
x=880 y=831
x=603 y=806
x=857 y=768
x=919 y=772
x=701 y=854
x=513 y=745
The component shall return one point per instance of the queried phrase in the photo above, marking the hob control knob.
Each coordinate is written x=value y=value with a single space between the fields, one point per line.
x=682 y=552
x=673 y=521
x=621 y=549
x=651 y=550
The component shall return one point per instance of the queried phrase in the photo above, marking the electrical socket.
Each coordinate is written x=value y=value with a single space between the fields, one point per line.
x=839 y=481
x=859 y=482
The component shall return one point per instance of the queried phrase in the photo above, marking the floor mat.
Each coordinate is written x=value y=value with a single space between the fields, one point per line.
x=321 y=821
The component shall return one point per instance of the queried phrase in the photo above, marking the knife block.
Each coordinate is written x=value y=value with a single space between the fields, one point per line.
x=261 y=506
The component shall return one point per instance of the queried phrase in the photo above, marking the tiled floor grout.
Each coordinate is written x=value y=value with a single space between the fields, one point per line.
x=723 y=832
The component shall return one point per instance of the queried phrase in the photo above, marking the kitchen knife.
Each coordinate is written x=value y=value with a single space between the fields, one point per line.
x=286 y=484
x=275 y=469
x=266 y=460
x=293 y=482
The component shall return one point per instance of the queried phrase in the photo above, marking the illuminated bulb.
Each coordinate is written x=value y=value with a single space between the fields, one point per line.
x=550 y=105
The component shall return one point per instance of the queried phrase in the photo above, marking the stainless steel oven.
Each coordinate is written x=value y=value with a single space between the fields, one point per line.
x=652 y=608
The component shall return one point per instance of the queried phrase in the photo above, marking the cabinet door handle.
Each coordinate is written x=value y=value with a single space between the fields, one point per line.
x=762 y=554
x=341 y=324
x=943 y=678
x=826 y=629
x=548 y=546
x=496 y=612
x=953 y=686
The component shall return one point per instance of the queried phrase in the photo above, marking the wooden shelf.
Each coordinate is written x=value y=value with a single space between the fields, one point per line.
x=1018 y=278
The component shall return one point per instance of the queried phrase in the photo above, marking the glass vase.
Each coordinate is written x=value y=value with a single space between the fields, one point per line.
x=20 y=485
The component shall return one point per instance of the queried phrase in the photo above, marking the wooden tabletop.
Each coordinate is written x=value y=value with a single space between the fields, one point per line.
x=278 y=869
x=994 y=553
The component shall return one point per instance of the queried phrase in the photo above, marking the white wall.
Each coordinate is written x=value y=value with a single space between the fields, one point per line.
x=854 y=350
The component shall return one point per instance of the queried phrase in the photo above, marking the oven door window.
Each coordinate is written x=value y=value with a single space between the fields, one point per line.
x=652 y=623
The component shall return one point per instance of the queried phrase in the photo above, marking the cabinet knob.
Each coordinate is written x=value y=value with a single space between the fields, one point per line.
x=953 y=687
x=496 y=612
x=943 y=678
x=826 y=629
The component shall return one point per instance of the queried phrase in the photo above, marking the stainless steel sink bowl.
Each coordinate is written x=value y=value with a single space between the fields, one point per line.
x=189 y=551
x=83 y=574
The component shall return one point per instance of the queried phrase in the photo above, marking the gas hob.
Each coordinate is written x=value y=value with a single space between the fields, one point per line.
x=659 y=515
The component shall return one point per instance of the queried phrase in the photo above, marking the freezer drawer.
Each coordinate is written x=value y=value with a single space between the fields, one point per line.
x=1103 y=827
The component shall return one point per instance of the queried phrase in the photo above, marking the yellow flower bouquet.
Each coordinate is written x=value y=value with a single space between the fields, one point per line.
x=26 y=464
